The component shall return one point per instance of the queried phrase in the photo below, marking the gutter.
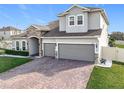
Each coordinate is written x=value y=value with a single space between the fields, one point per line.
x=85 y=37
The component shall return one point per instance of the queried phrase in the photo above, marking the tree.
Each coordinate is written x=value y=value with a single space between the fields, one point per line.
x=117 y=35
x=111 y=41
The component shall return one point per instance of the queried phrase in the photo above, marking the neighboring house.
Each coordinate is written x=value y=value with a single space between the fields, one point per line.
x=5 y=36
x=7 y=32
x=6 y=44
x=80 y=34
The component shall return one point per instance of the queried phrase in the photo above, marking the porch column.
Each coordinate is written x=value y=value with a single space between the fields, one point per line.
x=56 y=51
x=40 y=47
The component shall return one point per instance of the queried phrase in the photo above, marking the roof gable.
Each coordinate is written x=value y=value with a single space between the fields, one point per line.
x=77 y=6
x=86 y=9
x=72 y=7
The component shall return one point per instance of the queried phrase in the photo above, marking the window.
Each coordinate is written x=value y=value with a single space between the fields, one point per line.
x=17 y=45
x=71 y=20
x=80 y=20
x=23 y=45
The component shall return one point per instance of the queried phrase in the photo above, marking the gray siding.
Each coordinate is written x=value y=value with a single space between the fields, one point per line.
x=75 y=11
x=62 y=23
x=91 y=21
x=49 y=49
x=94 y=20
x=77 y=52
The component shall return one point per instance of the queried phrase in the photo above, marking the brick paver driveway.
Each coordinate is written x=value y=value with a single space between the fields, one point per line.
x=49 y=73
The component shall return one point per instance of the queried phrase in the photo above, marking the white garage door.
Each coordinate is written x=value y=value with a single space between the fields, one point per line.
x=77 y=52
x=49 y=49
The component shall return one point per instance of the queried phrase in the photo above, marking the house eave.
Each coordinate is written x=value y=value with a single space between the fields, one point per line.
x=84 y=9
x=85 y=37
x=103 y=13
x=18 y=37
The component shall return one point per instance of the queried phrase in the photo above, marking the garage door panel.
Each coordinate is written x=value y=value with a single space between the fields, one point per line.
x=49 y=49
x=76 y=52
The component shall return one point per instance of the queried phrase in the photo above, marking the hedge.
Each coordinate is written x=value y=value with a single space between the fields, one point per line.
x=13 y=52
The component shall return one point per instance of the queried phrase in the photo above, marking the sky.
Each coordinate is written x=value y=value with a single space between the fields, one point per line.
x=22 y=15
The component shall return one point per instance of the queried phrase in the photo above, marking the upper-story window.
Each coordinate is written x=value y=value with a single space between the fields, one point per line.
x=80 y=20
x=76 y=20
x=71 y=20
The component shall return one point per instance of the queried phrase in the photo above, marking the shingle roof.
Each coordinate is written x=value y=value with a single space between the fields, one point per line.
x=93 y=8
x=53 y=24
x=41 y=27
x=8 y=28
x=56 y=33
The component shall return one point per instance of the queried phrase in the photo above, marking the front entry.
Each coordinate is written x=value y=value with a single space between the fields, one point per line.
x=33 y=46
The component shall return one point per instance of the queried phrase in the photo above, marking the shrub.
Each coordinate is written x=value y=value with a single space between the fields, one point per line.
x=13 y=52
x=111 y=42
x=2 y=52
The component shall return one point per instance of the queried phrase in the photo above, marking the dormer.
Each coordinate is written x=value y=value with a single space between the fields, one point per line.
x=79 y=19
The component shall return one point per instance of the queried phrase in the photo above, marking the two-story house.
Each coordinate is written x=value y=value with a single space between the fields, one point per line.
x=81 y=34
x=7 y=32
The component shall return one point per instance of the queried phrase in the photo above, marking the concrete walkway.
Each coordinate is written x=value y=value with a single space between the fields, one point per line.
x=48 y=73
x=6 y=55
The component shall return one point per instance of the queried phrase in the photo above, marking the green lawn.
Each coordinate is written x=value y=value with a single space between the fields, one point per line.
x=119 y=46
x=107 y=78
x=7 y=63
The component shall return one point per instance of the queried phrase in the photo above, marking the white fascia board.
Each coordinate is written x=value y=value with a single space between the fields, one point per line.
x=75 y=37
x=75 y=5
x=19 y=38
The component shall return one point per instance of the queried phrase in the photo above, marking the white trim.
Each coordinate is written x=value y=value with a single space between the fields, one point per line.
x=96 y=49
x=19 y=37
x=56 y=51
x=69 y=42
x=22 y=45
x=82 y=19
x=32 y=37
x=75 y=43
x=49 y=43
x=69 y=20
x=43 y=48
x=16 y=45
x=75 y=5
x=87 y=37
